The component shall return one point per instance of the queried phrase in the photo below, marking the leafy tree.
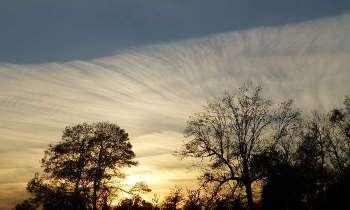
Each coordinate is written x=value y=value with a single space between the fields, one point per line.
x=134 y=203
x=110 y=151
x=193 y=200
x=68 y=161
x=79 y=168
x=232 y=130
x=174 y=199
x=26 y=205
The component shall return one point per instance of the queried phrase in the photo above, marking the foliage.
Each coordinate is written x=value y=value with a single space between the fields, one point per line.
x=232 y=131
x=249 y=147
x=174 y=199
x=79 y=168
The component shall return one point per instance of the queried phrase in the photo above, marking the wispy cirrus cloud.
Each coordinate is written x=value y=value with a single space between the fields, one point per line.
x=150 y=91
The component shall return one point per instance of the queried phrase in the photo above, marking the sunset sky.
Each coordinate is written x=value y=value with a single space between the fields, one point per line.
x=148 y=65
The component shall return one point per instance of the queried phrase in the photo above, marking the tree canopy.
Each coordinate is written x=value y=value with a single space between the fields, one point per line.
x=79 y=169
x=254 y=154
x=232 y=131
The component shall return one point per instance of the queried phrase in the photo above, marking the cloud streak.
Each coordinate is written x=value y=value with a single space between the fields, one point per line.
x=150 y=91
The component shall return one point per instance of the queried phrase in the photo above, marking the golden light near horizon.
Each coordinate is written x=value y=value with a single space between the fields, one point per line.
x=134 y=179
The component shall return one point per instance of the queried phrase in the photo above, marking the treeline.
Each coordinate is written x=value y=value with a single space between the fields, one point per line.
x=255 y=154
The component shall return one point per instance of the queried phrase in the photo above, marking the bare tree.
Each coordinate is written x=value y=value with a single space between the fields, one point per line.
x=232 y=130
x=339 y=134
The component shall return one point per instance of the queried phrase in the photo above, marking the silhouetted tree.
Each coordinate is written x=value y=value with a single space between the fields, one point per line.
x=314 y=177
x=139 y=188
x=49 y=194
x=284 y=185
x=155 y=201
x=79 y=168
x=339 y=145
x=232 y=130
x=174 y=199
x=241 y=138
x=338 y=152
x=192 y=200
x=110 y=151
x=226 y=203
x=134 y=203
x=26 y=205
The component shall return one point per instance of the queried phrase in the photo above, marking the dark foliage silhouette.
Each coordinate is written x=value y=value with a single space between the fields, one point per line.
x=316 y=174
x=78 y=170
x=254 y=155
x=134 y=203
x=234 y=129
x=174 y=199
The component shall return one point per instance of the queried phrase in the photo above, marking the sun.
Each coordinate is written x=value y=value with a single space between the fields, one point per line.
x=133 y=179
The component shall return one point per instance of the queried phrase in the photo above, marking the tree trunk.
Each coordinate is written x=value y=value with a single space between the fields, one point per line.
x=98 y=176
x=247 y=184
x=248 y=190
x=96 y=187
x=76 y=198
x=94 y=198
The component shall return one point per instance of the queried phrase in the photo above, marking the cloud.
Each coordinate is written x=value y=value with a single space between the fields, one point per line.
x=151 y=91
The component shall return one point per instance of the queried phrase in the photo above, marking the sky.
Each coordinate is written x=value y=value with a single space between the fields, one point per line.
x=39 y=31
x=148 y=65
